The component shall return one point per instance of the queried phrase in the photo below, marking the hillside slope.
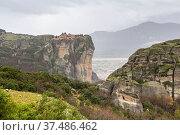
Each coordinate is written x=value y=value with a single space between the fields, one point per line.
x=53 y=94
x=26 y=105
x=149 y=72
x=82 y=95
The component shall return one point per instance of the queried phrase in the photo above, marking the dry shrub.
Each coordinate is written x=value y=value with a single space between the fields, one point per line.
x=71 y=100
x=178 y=100
x=162 y=101
x=98 y=113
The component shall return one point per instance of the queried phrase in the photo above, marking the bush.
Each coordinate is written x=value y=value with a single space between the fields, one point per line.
x=7 y=107
x=50 y=94
x=177 y=114
x=151 y=115
x=67 y=88
x=11 y=73
x=11 y=85
x=57 y=110
x=79 y=85
x=167 y=83
x=87 y=94
x=128 y=114
x=160 y=110
x=100 y=113
x=147 y=106
x=26 y=112
x=163 y=101
x=116 y=110
x=95 y=100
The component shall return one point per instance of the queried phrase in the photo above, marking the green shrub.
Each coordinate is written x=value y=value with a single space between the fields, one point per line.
x=57 y=110
x=144 y=84
x=160 y=110
x=95 y=99
x=26 y=112
x=167 y=83
x=147 y=105
x=177 y=114
x=67 y=88
x=81 y=97
x=7 y=107
x=116 y=110
x=87 y=94
x=50 y=94
x=151 y=115
x=127 y=114
x=11 y=85
x=11 y=73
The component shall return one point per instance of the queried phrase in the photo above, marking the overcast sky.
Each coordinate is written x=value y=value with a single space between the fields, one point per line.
x=83 y=16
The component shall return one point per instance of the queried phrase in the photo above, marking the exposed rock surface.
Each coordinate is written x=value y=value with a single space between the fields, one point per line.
x=71 y=56
x=148 y=72
x=95 y=78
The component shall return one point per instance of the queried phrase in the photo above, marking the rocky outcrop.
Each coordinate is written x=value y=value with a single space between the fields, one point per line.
x=150 y=72
x=69 y=55
x=95 y=78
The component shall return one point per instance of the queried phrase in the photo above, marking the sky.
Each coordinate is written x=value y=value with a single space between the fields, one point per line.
x=83 y=16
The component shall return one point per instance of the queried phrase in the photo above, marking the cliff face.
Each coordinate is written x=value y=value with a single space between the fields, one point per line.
x=150 y=72
x=70 y=56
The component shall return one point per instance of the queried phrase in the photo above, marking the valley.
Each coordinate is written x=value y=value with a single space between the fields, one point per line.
x=105 y=66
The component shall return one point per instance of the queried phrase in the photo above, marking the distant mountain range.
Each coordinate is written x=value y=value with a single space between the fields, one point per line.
x=124 y=42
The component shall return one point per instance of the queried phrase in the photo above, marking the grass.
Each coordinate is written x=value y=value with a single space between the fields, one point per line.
x=24 y=97
x=11 y=36
x=46 y=104
x=144 y=84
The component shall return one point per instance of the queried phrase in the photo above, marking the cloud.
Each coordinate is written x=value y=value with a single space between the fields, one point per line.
x=37 y=6
x=80 y=16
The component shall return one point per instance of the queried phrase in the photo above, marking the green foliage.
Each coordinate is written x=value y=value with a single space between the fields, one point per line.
x=11 y=85
x=53 y=62
x=167 y=83
x=123 y=75
x=26 y=111
x=47 y=109
x=9 y=72
x=9 y=110
x=177 y=114
x=6 y=106
x=151 y=114
x=57 y=110
x=66 y=87
x=147 y=106
x=160 y=110
x=81 y=50
x=95 y=99
x=52 y=85
x=144 y=84
x=12 y=78
x=163 y=70
x=77 y=93
x=50 y=94
x=117 y=111
x=138 y=80
x=128 y=114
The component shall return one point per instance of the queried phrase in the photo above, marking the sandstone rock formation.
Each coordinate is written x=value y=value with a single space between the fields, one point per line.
x=66 y=55
x=150 y=72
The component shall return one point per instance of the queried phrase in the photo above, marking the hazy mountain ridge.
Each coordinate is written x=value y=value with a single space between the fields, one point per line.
x=124 y=42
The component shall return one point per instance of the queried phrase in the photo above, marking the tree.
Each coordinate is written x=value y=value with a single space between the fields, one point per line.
x=175 y=60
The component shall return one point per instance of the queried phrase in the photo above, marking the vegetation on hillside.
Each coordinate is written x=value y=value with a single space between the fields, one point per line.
x=39 y=95
x=30 y=106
